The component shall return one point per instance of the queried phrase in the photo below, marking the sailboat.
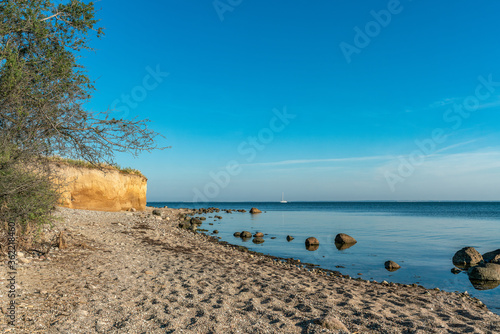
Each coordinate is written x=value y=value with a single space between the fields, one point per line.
x=283 y=198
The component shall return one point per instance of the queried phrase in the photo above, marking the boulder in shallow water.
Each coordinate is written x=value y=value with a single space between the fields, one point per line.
x=342 y=238
x=311 y=241
x=258 y=240
x=289 y=238
x=246 y=234
x=259 y=235
x=255 y=210
x=237 y=234
x=392 y=266
x=467 y=257
x=485 y=272
x=493 y=257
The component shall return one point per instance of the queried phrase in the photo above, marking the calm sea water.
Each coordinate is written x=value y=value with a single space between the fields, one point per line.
x=421 y=236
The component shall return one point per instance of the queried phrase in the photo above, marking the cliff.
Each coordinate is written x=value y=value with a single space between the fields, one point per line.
x=106 y=189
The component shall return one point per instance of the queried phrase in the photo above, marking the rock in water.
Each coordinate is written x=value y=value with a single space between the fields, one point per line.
x=467 y=257
x=237 y=234
x=258 y=240
x=311 y=241
x=342 y=238
x=392 y=266
x=485 y=272
x=259 y=235
x=255 y=210
x=493 y=257
x=246 y=234
x=289 y=238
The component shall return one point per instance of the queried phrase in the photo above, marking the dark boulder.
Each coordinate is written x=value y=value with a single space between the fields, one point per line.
x=259 y=235
x=289 y=238
x=467 y=257
x=392 y=266
x=237 y=234
x=195 y=221
x=312 y=241
x=258 y=240
x=246 y=234
x=157 y=213
x=485 y=272
x=342 y=238
x=493 y=257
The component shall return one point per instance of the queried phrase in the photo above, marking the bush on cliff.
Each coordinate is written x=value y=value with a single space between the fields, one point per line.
x=43 y=90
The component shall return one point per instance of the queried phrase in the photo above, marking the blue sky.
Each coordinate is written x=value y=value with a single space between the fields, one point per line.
x=337 y=100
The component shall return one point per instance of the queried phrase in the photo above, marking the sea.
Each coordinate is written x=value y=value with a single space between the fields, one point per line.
x=422 y=237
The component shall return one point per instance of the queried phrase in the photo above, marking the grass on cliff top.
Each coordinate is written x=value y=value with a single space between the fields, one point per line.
x=86 y=164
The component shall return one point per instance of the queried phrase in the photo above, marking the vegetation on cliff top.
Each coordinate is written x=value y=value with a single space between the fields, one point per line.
x=85 y=164
x=43 y=90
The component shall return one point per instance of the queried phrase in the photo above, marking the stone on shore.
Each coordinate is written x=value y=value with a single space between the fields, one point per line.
x=485 y=272
x=62 y=241
x=157 y=212
x=392 y=266
x=467 y=257
x=255 y=210
x=493 y=257
x=332 y=323
x=342 y=238
x=195 y=221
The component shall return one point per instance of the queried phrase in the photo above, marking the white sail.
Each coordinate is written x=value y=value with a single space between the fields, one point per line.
x=283 y=198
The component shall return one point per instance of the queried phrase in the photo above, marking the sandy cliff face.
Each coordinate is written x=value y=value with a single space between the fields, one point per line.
x=102 y=190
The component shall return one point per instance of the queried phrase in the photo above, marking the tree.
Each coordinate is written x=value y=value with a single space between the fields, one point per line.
x=43 y=91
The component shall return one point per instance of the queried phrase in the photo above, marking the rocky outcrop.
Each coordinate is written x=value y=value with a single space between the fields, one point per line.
x=105 y=189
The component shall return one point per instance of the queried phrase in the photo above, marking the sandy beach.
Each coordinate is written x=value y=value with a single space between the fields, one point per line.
x=139 y=273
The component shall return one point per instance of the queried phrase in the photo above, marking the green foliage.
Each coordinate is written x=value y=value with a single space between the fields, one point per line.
x=43 y=90
x=85 y=164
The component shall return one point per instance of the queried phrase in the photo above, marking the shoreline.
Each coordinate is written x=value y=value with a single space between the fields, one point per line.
x=135 y=272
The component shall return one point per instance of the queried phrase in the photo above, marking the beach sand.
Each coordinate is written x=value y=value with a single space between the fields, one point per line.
x=136 y=273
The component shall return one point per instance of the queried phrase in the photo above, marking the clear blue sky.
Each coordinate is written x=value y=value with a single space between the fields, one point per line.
x=322 y=100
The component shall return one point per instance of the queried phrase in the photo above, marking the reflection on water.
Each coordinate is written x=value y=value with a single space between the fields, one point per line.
x=312 y=248
x=342 y=247
x=484 y=285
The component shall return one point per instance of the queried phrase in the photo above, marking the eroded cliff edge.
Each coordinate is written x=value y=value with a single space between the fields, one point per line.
x=101 y=189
